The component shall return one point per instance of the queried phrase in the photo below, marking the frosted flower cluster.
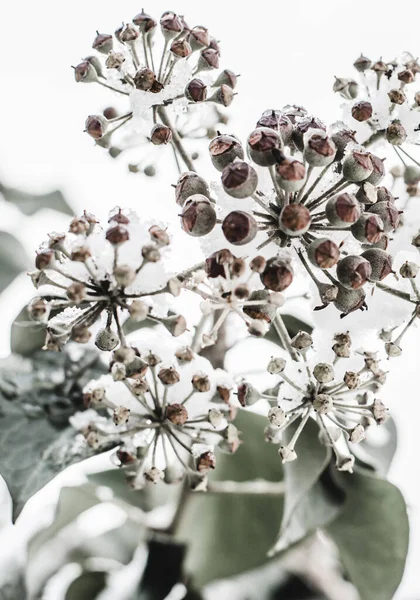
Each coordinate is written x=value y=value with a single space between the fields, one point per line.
x=165 y=411
x=165 y=70
x=340 y=393
x=313 y=191
x=92 y=274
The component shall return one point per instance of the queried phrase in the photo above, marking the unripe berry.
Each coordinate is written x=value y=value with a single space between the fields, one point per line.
x=85 y=72
x=388 y=213
x=102 y=43
x=209 y=59
x=205 y=462
x=323 y=372
x=396 y=134
x=343 y=210
x=341 y=136
x=367 y=193
x=411 y=175
x=117 y=235
x=302 y=341
x=226 y=77
x=348 y=88
x=201 y=382
x=406 y=76
x=188 y=184
x=304 y=125
x=169 y=376
x=348 y=300
x=290 y=174
x=353 y=271
x=96 y=126
x=276 y=416
x=319 y=149
x=378 y=170
x=39 y=310
x=357 y=166
x=106 y=340
x=265 y=312
x=181 y=49
x=239 y=228
x=278 y=274
x=275 y=119
x=247 y=394
x=362 y=63
x=323 y=253
x=323 y=403
x=176 y=414
x=161 y=134
x=276 y=365
x=257 y=264
x=361 y=111
x=295 y=219
x=368 y=228
x=144 y=79
x=44 y=259
x=138 y=310
x=380 y=262
x=199 y=38
x=384 y=195
x=223 y=95
x=261 y=144
x=171 y=25
x=223 y=151
x=198 y=216
x=409 y=270
x=196 y=90
x=144 y=22
x=239 y=179
x=214 y=265
x=124 y=275
x=397 y=96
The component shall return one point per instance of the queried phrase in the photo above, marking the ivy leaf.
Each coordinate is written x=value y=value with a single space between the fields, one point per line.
x=293 y=326
x=87 y=586
x=371 y=533
x=232 y=532
x=312 y=498
x=29 y=204
x=13 y=259
x=36 y=400
x=378 y=457
x=163 y=569
x=26 y=336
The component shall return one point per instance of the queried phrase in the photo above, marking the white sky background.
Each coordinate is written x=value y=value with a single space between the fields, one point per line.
x=286 y=52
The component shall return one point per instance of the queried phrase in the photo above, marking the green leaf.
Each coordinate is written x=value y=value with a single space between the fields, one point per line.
x=311 y=497
x=231 y=533
x=29 y=204
x=293 y=326
x=87 y=586
x=372 y=534
x=13 y=259
x=26 y=336
x=36 y=400
x=379 y=457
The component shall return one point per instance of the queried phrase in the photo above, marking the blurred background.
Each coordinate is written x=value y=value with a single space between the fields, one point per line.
x=285 y=52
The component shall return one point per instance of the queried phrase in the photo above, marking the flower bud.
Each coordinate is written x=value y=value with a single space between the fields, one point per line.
x=261 y=143
x=181 y=49
x=276 y=416
x=118 y=371
x=239 y=179
x=367 y=193
x=176 y=414
x=353 y=271
x=188 y=184
x=409 y=270
x=154 y=475
x=357 y=434
x=198 y=216
x=258 y=327
x=278 y=274
x=171 y=25
x=127 y=34
x=380 y=262
x=323 y=253
x=341 y=136
x=302 y=341
x=223 y=95
x=239 y=228
x=265 y=312
x=343 y=210
x=196 y=90
x=388 y=213
x=102 y=43
x=411 y=175
x=290 y=174
x=214 y=265
x=357 y=166
x=117 y=235
x=406 y=76
x=323 y=373
x=85 y=72
x=351 y=379
x=216 y=418
x=44 y=259
x=231 y=440
x=248 y=394
x=124 y=275
x=397 y=96
x=347 y=88
x=150 y=253
x=205 y=462
x=257 y=264
x=349 y=300
x=144 y=79
x=175 y=324
x=39 y=310
x=287 y=454
x=76 y=292
x=295 y=219
x=227 y=77
x=323 y=403
x=209 y=59
x=276 y=365
x=369 y=228
x=169 y=376
x=345 y=463
x=106 y=340
x=199 y=38
x=392 y=349
x=201 y=382
x=319 y=150
x=138 y=310
x=115 y=60
x=121 y=415
x=361 y=111
x=223 y=151
x=378 y=170
x=379 y=412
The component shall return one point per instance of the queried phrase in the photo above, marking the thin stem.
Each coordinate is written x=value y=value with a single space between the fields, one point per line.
x=112 y=88
x=284 y=336
x=176 y=139
x=315 y=183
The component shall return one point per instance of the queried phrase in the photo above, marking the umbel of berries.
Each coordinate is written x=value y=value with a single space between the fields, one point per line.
x=100 y=277
x=166 y=411
x=298 y=184
x=169 y=76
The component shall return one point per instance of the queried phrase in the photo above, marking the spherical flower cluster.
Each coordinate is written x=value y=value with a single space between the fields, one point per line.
x=341 y=228
x=384 y=101
x=158 y=67
x=248 y=288
x=340 y=395
x=91 y=273
x=165 y=411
